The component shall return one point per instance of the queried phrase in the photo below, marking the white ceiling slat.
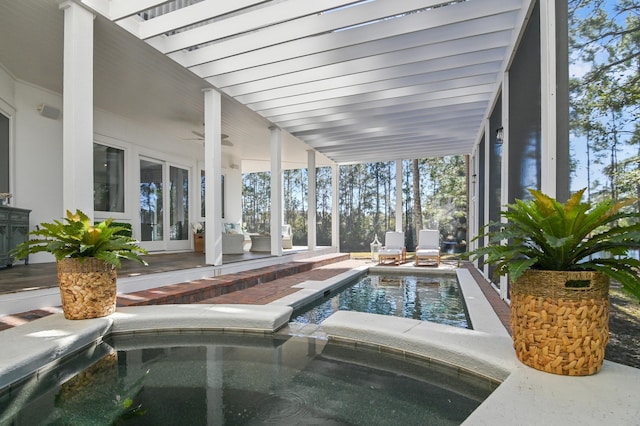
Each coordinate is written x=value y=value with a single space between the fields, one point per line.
x=345 y=95
x=286 y=73
x=318 y=117
x=190 y=15
x=297 y=72
x=364 y=143
x=119 y=9
x=246 y=22
x=304 y=27
x=421 y=117
x=277 y=84
x=350 y=149
x=356 y=86
x=356 y=110
x=338 y=135
x=98 y=6
x=340 y=130
x=458 y=26
x=334 y=131
x=372 y=99
x=395 y=120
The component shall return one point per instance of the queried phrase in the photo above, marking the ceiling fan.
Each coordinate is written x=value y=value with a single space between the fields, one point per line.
x=200 y=137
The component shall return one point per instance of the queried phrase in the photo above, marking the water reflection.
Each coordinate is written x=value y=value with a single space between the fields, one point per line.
x=423 y=298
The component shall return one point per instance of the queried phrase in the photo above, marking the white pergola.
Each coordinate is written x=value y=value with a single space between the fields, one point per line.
x=294 y=83
x=357 y=81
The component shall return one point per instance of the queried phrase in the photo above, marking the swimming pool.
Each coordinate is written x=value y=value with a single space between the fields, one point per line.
x=430 y=297
x=233 y=379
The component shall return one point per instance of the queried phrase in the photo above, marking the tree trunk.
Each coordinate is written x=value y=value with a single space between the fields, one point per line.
x=417 y=205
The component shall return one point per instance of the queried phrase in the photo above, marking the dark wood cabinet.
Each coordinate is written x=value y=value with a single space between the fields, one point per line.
x=14 y=229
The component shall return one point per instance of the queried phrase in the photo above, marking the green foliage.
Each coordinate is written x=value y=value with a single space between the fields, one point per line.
x=256 y=201
x=126 y=228
x=545 y=234
x=366 y=201
x=605 y=47
x=444 y=203
x=78 y=238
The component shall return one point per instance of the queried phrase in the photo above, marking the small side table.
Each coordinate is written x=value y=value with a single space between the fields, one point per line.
x=261 y=243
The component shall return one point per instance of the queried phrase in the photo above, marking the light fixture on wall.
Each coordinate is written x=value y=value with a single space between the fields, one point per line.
x=49 y=111
x=499 y=135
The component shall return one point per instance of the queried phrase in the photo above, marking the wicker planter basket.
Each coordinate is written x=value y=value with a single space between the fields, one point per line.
x=558 y=327
x=198 y=243
x=87 y=288
x=97 y=377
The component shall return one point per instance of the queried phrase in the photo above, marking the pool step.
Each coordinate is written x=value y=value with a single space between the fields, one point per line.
x=193 y=291
x=198 y=290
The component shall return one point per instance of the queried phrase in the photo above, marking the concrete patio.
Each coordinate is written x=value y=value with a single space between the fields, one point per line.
x=523 y=395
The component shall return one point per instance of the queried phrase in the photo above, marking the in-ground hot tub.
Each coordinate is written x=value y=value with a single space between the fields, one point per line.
x=230 y=378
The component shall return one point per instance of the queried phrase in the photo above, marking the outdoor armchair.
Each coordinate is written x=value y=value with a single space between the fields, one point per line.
x=428 y=248
x=287 y=242
x=394 y=251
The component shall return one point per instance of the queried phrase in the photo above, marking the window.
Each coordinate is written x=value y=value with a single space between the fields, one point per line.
x=202 y=211
x=151 y=200
x=4 y=153
x=202 y=195
x=108 y=179
x=179 y=203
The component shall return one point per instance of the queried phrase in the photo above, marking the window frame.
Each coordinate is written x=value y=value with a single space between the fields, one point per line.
x=108 y=213
x=9 y=112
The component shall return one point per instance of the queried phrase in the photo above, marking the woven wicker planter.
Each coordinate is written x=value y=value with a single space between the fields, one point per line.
x=198 y=243
x=101 y=375
x=559 y=328
x=87 y=288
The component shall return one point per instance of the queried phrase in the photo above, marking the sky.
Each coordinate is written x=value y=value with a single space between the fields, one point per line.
x=578 y=143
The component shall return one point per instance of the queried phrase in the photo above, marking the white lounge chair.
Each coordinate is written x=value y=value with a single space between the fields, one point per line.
x=393 y=252
x=287 y=238
x=428 y=249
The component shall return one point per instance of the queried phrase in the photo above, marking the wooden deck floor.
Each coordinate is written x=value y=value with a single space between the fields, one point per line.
x=34 y=276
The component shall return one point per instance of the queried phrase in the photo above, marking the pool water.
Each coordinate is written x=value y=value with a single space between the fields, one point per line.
x=233 y=379
x=434 y=298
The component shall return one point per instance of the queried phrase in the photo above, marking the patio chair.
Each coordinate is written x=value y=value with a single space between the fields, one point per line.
x=393 y=252
x=428 y=248
x=287 y=242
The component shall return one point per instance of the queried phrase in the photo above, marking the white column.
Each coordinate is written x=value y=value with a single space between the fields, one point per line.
x=213 y=177
x=472 y=228
x=276 y=191
x=486 y=183
x=311 y=200
x=77 y=117
x=215 y=385
x=548 y=99
x=504 y=175
x=335 y=212
x=399 y=196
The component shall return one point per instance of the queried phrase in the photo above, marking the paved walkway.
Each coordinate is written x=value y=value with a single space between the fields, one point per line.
x=260 y=286
x=256 y=286
x=277 y=289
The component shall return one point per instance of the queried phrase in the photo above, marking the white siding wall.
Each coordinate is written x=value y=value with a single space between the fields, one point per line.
x=37 y=181
x=38 y=157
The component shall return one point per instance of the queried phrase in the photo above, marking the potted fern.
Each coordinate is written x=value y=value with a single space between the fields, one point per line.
x=560 y=259
x=87 y=257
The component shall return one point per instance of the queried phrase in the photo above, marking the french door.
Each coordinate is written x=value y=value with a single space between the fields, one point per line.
x=164 y=206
